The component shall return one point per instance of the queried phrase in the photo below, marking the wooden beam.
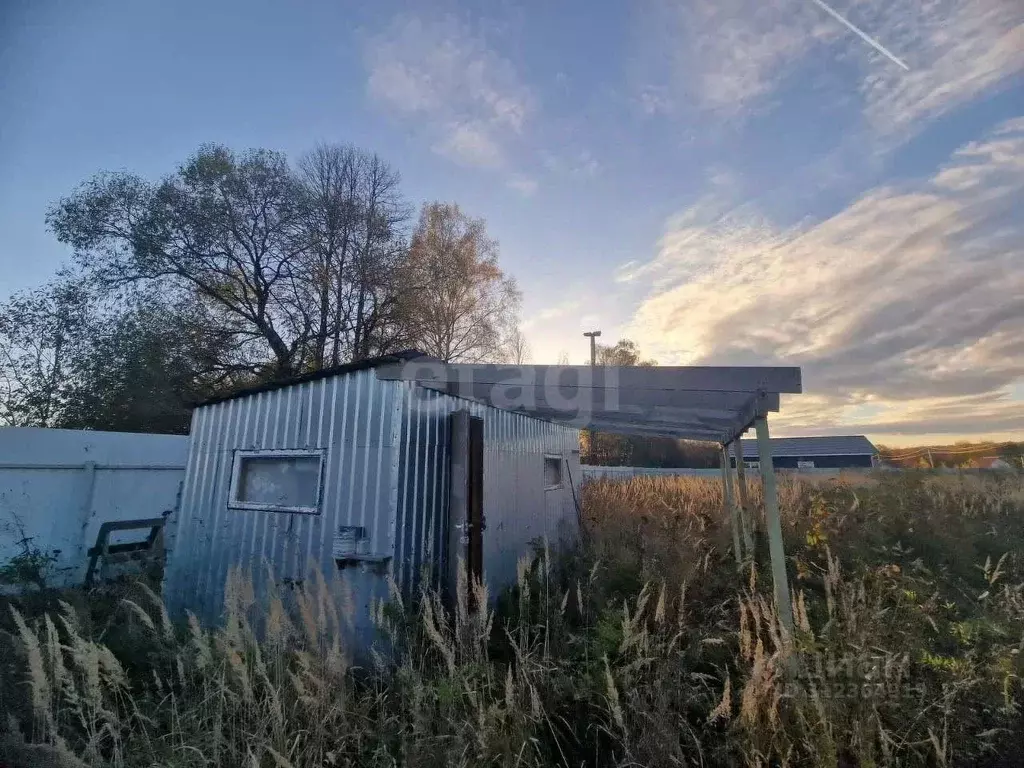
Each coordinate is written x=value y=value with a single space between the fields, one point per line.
x=718 y=415
x=675 y=433
x=746 y=512
x=670 y=378
x=643 y=416
x=692 y=428
x=561 y=396
x=730 y=506
x=774 y=525
x=759 y=405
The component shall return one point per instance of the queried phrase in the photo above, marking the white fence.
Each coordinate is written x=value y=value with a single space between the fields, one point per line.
x=591 y=472
x=57 y=487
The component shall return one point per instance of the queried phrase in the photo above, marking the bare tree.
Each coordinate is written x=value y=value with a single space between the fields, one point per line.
x=457 y=304
x=353 y=218
x=40 y=333
x=517 y=348
x=607 y=448
x=299 y=266
x=623 y=352
x=329 y=178
x=225 y=227
x=374 y=300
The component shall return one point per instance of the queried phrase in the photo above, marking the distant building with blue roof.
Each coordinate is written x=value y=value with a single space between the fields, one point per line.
x=832 y=452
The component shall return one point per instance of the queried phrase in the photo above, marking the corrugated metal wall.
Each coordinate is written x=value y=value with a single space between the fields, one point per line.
x=350 y=419
x=516 y=505
x=386 y=469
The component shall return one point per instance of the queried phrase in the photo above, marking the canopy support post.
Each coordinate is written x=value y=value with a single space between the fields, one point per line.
x=727 y=501
x=774 y=525
x=746 y=512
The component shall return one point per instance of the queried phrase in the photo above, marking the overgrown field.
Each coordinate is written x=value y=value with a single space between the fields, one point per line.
x=645 y=646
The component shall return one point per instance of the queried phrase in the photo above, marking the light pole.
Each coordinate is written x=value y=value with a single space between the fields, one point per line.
x=590 y=434
x=592 y=335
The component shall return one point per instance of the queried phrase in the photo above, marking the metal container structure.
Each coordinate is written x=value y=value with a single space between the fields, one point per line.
x=382 y=504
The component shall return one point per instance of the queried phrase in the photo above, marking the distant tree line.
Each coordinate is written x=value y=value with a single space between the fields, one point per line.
x=240 y=268
x=960 y=455
x=609 y=449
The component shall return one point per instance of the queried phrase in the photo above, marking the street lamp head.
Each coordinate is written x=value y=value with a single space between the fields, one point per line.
x=592 y=334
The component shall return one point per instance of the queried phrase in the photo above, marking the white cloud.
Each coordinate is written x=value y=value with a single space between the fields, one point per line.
x=628 y=271
x=956 y=50
x=905 y=311
x=553 y=312
x=471 y=144
x=724 y=54
x=524 y=185
x=579 y=162
x=729 y=57
x=440 y=73
x=654 y=100
x=402 y=86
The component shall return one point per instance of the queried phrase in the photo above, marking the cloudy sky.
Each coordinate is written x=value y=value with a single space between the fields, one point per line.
x=838 y=186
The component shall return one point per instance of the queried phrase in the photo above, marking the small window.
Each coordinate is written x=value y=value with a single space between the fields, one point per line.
x=752 y=464
x=552 y=472
x=278 y=481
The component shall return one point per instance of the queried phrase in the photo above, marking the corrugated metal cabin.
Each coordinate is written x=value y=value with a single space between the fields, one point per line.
x=351 y=474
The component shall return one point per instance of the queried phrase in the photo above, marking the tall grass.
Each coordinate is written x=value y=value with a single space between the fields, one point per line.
x=644 y=646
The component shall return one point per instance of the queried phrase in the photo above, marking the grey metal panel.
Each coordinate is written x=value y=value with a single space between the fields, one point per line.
x=666 y=377
x=701 y=403
x=839 y=445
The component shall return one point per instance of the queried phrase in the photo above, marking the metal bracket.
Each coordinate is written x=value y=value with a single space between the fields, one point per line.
x=468 y=526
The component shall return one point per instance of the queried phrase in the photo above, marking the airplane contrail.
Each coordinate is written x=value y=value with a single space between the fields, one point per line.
x=863 y=36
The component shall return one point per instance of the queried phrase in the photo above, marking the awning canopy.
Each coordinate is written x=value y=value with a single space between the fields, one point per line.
x=689 y=402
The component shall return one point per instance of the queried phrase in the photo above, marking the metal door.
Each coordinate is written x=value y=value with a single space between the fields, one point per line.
x=475 y=498
x=465 y=502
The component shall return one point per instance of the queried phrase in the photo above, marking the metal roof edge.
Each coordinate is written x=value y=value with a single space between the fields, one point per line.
x=324 y=373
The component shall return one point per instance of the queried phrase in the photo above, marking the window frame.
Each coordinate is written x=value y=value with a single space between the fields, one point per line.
x=561 y=474
x=240 y=456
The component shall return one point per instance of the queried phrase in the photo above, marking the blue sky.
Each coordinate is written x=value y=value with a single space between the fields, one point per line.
x=721 y=180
